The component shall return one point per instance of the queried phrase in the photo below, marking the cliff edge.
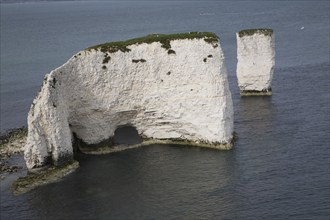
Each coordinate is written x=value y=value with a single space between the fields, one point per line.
x=169 y=87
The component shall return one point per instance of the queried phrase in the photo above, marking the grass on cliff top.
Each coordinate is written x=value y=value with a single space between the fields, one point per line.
x=249 y=32
x=164 y=39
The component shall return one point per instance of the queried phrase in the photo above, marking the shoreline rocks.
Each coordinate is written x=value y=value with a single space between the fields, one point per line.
x=42 y=177
x=256 y=61
x=11 y=143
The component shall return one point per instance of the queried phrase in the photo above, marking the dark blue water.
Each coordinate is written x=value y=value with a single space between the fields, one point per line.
x=279 y=167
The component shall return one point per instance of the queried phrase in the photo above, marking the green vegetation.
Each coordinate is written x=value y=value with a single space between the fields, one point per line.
x=249 y=32
x=164 y=39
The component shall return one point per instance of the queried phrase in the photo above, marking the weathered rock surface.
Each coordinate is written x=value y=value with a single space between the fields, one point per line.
x=256 y=61
x=170 y=87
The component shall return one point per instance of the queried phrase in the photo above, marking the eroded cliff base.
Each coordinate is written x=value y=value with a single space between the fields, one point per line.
x=127 y=138
x=256 y=93
x=106 y=149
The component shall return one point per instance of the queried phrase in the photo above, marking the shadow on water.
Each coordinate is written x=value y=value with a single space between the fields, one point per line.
x=254 y=117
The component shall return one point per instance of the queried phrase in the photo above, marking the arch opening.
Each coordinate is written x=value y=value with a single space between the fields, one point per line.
x=126 y=135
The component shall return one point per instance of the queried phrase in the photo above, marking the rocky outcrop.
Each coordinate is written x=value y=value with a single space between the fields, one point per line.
x=256 y=61
x=169 y=87
x=11 y=143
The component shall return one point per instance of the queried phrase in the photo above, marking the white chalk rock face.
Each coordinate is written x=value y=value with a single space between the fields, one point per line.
x=166 y=86
x=256 y=61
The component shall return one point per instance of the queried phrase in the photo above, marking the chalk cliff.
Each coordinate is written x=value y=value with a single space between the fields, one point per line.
x=256 y=61
x=169 y=87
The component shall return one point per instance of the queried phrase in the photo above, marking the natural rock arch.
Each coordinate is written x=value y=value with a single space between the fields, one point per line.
x=169 y=87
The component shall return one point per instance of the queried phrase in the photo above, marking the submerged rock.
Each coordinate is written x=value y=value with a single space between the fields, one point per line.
x=256 y=61
x=11 y=143
x=169 y=87
x=42 y=177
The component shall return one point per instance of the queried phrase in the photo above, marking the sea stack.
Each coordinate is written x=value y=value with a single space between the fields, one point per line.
x=256 y=61
x=171 y=88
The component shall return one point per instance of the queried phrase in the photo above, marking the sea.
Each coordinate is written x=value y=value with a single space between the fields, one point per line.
x=279 y=167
